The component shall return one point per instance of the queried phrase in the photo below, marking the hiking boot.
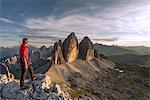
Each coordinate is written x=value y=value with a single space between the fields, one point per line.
x=24 y=87
x=34 y=78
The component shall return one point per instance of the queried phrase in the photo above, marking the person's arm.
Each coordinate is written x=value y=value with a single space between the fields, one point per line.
x=25 y=57
x=25 y=62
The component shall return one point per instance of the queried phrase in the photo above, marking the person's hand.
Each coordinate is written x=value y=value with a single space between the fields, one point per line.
x=26 y=66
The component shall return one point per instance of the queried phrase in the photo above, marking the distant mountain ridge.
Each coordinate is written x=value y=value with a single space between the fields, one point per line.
x=121 y=50
x=104 y=49
x=8 y=52
x=113 y=50
x=142 y=50
x=131 y=59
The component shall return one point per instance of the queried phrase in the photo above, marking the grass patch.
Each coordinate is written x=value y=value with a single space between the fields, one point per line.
x=136 y=70
x=78 y=92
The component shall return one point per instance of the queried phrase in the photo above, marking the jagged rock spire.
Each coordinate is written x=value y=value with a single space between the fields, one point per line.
x=57 y=54
x=86 y=49
x=70 y=48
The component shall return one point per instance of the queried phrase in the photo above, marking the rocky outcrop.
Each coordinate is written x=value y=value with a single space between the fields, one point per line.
x=10 y=90
x=86 y=49
x=60 y=44
x=42 y=81
x=4 y=78
x=57 y=54
x=42 y=53
x=96 y=54
x=70 y=48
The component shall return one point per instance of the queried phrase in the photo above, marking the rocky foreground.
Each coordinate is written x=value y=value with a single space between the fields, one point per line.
x=39 y=89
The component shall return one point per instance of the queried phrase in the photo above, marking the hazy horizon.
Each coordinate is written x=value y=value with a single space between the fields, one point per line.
x=48 y=45
x=108 y=22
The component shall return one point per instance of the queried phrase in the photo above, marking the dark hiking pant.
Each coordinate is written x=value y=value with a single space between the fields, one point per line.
x=24 y=73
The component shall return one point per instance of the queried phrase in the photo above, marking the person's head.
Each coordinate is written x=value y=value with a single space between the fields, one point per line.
x=25 y=41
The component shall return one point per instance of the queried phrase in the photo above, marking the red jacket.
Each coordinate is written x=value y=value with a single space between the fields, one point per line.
x=23 y=52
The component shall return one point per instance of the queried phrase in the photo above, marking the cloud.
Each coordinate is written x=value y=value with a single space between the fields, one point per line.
x=129 y=19
x=8 y=24
x=100 y=25
x=107 y=21
x=44 y=37
x=5 y=20
x=106 y=40
x=81 y=24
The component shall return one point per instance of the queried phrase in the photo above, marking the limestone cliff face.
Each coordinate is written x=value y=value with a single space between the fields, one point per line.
x=86 y=49
x=70 y=48
x=57 y=54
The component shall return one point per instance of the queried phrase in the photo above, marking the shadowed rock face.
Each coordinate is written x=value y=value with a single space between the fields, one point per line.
x=60 y=44
x=86 y=49
x=57 y=54
x=96 y=54
x=70 y=48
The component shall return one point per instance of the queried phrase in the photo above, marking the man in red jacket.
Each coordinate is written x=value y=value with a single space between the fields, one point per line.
x=25 y=63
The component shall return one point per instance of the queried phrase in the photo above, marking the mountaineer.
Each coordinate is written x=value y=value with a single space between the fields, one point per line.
x=25 y=63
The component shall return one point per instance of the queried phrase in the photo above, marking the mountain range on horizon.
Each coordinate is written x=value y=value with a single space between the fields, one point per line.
x=108 y=50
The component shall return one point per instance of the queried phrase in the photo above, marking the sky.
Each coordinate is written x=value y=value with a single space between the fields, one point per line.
x=109 y=22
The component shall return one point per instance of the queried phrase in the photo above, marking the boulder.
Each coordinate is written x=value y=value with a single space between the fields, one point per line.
x=56 y=92
x=86 y=49
x=12 y=91
x=57 y=55
x=38 y=94
x=56 y=89
x=13 y=60
x=42 y=81
x=4 y=78
x=53 y=96
x=70 y=48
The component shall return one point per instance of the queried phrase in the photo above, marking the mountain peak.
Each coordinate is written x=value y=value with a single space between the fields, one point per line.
x=86 y=49
x=70 y=48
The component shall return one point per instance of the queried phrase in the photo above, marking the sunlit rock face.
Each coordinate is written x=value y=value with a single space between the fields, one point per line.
x=5 y=78
x=86 y=49
x=57 y=54
x=70 y=48
x=13 y=59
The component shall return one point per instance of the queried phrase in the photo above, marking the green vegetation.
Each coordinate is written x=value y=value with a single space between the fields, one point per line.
x=136 y=70
x=130 y=59
x=76 y=92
